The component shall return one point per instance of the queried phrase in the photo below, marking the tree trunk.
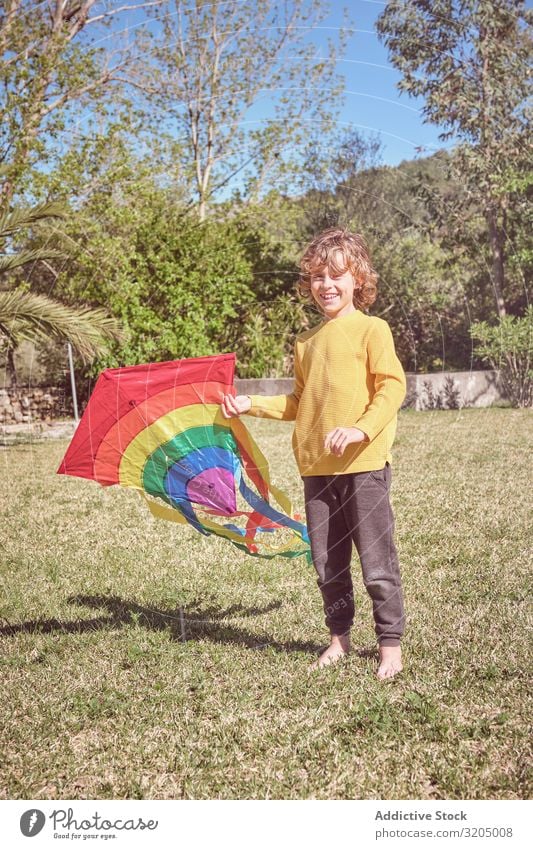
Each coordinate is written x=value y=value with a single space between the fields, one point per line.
x=496 y=238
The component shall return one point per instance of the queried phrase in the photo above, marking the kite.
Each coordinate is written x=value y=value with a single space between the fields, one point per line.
x=159 y=429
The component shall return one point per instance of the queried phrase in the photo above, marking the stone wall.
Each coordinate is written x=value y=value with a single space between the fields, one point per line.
x=27 y=404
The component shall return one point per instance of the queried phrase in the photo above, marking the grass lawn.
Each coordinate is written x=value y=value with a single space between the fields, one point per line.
x=102 y=699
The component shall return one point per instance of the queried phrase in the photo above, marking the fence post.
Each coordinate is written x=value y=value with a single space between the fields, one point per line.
x=73 y=382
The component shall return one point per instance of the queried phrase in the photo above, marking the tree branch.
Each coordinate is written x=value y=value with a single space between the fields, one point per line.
x=106 y=77
x=124 y=9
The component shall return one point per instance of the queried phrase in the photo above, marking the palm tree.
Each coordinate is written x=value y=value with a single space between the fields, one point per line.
x=12 y=223
x=28 y=316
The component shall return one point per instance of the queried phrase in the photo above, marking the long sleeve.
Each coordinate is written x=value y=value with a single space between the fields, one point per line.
x=389 y=383
x=283 y=407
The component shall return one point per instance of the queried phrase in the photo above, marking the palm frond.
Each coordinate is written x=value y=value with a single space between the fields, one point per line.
x=26 y=316
x=17 y=219
x=8 y=262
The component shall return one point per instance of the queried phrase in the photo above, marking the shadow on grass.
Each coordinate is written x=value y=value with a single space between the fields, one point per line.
x=198 y=621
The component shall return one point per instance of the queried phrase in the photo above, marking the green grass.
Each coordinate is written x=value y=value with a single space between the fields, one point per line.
x=102 y=699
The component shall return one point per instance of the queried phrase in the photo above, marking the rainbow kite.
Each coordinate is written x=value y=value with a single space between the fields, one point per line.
x=159 y=429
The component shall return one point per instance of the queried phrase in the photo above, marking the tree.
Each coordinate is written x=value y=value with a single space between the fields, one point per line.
x=54 y=65
x=178 y=287
x=214 y=62
x=470 y=61
x=29 y=316
x=329 y=176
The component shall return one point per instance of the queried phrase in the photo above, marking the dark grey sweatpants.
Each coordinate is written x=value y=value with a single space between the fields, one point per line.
x=355 y=507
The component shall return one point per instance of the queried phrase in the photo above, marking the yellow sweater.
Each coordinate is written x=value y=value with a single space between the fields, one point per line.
x=347 y=374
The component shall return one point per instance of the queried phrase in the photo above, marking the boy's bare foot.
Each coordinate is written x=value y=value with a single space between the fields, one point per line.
x=390 y=658
x=338 y=647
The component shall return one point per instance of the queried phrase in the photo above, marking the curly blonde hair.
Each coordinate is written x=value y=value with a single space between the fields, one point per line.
x=321 y=253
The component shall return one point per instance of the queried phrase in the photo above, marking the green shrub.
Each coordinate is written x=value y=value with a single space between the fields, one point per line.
x=452 y=393
x=508 y=347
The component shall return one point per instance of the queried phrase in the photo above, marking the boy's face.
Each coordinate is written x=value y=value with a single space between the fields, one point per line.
x=333 y=292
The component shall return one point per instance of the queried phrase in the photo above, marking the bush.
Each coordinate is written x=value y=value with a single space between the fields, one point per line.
x=508 y=347
x=452 y=393
x=433 y=400
x=179 y=288
x=446 y=398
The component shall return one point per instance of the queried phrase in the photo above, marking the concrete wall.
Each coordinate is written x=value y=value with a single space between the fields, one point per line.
x=476 y=388
x=26 y=404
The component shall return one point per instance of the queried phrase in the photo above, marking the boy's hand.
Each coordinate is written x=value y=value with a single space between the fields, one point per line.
x=234 y=405
x=337 y=440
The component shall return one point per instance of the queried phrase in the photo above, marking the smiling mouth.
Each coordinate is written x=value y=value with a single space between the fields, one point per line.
x=328 y=298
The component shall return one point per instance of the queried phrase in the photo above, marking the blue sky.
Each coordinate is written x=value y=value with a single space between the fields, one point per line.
x=373 y=102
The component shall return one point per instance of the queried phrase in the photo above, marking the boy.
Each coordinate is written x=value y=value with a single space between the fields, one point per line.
x=349 y=385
